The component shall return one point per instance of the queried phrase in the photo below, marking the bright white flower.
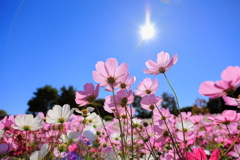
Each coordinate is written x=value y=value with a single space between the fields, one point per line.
x=137 y=121
x=187 y=126
x=88 y=110
x=59 y=115
x=94 y=120
x=90 y=133
x=38 y=155
x=70 y=136
x=115 y=136
x=27 y=122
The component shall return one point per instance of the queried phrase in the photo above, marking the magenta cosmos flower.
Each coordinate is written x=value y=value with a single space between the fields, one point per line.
x=229 y=83
x=88 y=95
x=109 y=74
x=199 y=154
x=147 y=87
x=163 y=64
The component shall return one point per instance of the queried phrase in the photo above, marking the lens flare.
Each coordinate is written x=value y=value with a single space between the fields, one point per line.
x=147 y=31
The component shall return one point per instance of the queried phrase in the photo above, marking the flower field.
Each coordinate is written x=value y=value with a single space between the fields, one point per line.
x=63 y=135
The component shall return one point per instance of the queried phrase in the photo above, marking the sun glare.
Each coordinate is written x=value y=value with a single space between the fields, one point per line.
x=147 y=32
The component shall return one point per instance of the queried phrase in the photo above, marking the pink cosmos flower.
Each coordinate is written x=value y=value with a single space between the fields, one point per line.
x=109 y=74
x=126 y=84
x=227 y=117
x=230 y=81
x=147 y=87
x=122 y=99
x=235 y=152
x=151 y=102
x=162 y=65
x=161 y=132
x=6 y=123
x=161 y=135
x=162 y=114
x=88 y=95
x=196 y=119
x=232 y=101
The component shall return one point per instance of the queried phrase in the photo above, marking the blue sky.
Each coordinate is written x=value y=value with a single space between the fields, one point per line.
x=59 y=42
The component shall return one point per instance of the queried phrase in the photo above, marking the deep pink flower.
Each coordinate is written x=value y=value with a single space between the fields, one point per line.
x=150 y=102
x=73 y=147
x=109 y=74
x=147 y=87
x=88 y=95
x=162 y=65
x=232 y=101
x=215 y=154
x=227 y=117
x=230 y=81
x=197 y=154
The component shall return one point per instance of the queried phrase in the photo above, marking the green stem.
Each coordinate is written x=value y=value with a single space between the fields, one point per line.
x=178 y=106
x=148 y=146
x=170 y=134
x=230 y=136
x=233 y=144
x=120 y=125
x=107 y=132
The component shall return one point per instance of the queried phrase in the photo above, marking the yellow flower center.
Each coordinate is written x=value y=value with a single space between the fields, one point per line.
x=26 y=128
x=61 y=120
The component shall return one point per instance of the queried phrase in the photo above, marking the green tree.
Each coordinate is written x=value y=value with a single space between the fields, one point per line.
x=67 y=96
x=45 y=98
x=2 y=112
x=168 y=101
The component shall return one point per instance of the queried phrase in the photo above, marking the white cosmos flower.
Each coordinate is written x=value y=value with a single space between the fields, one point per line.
x=27 y=122
x=94 y=120
x=59 y=115
x=137 y=121
x=187 y=126
x=90 y=133
x=115 y=136
x=70 y=136
x=38 y=155
x=88 y=110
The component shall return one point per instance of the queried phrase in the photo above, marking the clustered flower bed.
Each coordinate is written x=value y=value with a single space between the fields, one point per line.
x=64 y=135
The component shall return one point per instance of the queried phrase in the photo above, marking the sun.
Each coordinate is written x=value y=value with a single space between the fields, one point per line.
x=147 y=31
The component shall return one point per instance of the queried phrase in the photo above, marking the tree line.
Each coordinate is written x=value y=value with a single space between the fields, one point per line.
x=46 y=97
